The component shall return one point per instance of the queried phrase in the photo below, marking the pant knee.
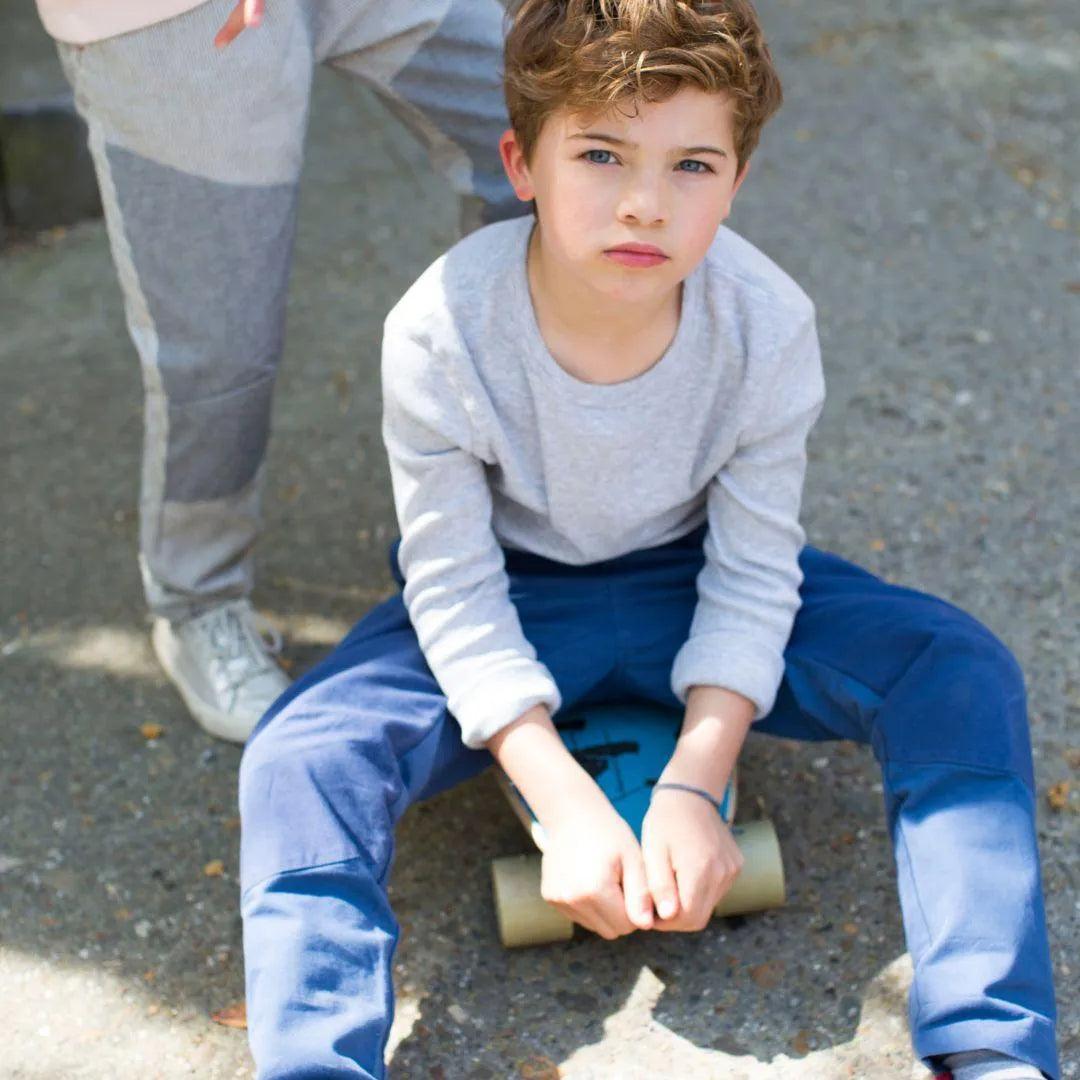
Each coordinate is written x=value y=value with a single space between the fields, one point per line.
x=216 y=445
x=979 y=669
x=966 y=702
x=310 y=797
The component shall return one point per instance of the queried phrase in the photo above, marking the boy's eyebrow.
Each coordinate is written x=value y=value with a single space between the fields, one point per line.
x=599 y=136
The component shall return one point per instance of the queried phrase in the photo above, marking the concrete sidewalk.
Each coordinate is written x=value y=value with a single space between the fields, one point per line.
x=923 y=184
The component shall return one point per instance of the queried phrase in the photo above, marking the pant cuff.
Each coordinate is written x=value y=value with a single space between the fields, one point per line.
x=1030 y=1040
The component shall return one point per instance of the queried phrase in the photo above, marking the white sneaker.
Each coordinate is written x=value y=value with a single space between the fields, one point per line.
x=223 y=666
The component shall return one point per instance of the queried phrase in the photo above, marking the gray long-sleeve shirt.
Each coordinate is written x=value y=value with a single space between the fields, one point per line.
x=492 y=443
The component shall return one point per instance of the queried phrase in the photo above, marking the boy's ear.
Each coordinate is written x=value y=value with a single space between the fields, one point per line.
x=740 y=178
x=517 y=171
x=735 y=187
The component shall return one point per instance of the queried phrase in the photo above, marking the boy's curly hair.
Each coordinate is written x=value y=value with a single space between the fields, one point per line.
x=594 y=55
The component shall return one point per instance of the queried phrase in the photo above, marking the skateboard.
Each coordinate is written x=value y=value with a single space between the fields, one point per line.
x=624 y=748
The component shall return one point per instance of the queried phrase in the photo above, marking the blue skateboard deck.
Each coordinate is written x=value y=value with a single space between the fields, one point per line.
x=624 y=748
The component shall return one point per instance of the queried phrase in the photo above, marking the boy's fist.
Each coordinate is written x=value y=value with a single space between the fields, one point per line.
x=594 y=873
x=691 y=859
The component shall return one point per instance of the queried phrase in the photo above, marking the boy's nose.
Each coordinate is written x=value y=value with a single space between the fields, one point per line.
x=642 y=204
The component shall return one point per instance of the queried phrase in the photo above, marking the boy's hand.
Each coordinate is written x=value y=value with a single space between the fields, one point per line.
x=592 y=869
x=247 y=13
x=594 y=873
x=691 y=859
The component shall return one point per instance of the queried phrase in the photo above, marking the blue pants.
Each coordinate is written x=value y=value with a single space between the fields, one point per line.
x=350 y=746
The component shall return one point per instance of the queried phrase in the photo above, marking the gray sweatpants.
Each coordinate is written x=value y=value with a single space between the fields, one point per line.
x=198 y=155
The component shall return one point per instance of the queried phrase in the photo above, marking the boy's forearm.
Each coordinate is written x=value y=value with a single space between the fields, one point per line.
x=532 y=753
x=712 y=735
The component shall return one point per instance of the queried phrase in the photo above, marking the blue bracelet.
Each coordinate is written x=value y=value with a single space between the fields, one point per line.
x=695 y=791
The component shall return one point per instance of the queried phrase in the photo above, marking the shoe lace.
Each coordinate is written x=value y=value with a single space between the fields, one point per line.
x=241 y=642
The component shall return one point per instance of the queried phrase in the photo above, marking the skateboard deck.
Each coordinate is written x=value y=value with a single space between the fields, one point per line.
x=624 y=748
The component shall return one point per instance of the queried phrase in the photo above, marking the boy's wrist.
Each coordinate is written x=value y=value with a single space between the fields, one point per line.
x=689 y=789
x=714 y=729
x=532 y=753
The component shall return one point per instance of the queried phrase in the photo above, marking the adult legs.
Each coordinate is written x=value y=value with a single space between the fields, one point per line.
x=198 y=154
x=436 y=64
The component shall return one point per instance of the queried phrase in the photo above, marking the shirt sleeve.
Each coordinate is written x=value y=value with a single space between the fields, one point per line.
x=748 y=588
x=456 y=586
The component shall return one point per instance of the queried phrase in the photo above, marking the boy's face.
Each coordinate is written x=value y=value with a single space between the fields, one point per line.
x=630 y=204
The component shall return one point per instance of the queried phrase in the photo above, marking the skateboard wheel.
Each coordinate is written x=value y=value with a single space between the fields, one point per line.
x=760 y=885
x=524 y=916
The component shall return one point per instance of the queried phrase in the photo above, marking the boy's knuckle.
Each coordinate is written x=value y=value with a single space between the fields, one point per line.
x=587 y=894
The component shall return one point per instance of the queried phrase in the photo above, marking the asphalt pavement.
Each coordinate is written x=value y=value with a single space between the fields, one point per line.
x=923 y=183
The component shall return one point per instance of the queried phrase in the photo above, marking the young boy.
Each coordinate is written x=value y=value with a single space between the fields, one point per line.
x=596 y=424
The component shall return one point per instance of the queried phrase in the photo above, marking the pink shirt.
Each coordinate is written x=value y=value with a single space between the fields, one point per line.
x=80 y=22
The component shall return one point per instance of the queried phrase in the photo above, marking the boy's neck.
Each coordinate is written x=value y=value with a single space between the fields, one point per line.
x=571 y=312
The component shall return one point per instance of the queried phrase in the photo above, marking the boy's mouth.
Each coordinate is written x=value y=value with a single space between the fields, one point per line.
x=636 y=255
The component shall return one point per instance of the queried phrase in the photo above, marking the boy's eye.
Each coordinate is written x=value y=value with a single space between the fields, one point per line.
x=599 y=157
x=693 y=166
